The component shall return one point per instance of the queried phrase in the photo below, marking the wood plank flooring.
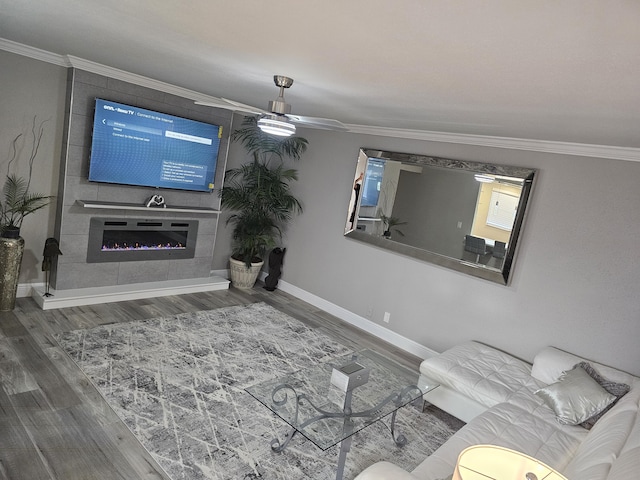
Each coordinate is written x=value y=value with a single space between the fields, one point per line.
x=55 y=425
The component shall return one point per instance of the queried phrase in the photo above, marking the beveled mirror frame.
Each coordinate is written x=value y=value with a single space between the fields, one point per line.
x=501 y=276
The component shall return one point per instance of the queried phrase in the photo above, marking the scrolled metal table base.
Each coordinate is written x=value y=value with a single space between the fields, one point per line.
x=346 y=415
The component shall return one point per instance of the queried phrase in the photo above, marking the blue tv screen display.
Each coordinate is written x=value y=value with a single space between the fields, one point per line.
x=372 y=182
x=134 y=146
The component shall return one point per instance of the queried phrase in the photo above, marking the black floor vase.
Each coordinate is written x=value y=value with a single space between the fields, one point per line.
x=275 y=268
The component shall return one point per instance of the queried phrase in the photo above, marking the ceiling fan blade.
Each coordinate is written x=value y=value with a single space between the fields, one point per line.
x=243 y=107
x=230 y=105
x=317 y=122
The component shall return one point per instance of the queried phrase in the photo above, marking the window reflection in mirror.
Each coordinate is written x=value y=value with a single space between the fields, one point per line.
x=464 y=215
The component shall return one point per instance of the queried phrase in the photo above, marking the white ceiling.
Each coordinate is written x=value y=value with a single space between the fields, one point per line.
x=559 y=70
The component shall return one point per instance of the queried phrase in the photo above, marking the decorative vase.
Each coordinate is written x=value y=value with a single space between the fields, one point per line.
x=243 y=277
x=276 y=257
x=11 y=250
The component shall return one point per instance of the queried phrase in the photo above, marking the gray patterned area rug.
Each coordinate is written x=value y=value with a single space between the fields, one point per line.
x=178 y=383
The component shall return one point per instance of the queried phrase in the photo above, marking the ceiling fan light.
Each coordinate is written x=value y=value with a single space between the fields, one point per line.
x=274 y=125
x=484 y=178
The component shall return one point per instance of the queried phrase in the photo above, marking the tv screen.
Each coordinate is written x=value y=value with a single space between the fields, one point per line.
x=134 y=146
x=372 y=182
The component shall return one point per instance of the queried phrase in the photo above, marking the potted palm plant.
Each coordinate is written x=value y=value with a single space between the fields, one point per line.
x=16 y=202
x=390 y=224
x=259 y=195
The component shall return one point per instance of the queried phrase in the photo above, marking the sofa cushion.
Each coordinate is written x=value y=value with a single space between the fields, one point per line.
x=482 y=373
x=617 y=433
x=619 y=390
x=627 y=465
x=507 y=425
x=576 y=397
x=550 y=362
x=385 y=470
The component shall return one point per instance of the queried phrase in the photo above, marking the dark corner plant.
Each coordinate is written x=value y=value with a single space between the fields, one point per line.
x=390 y=223
x=259 y=192
x=16 y=201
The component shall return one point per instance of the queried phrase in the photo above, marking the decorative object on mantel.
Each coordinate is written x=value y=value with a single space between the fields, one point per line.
x=50 y=253
x=276 y=257
x=156 y=201
x=16 y=203
x=259 y=193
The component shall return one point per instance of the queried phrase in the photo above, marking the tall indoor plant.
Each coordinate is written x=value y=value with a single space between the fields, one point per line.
x=390 y=224
x=259 y=195
x=16 y=202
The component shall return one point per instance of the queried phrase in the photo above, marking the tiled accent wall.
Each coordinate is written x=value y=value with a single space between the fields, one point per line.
x=72 y=220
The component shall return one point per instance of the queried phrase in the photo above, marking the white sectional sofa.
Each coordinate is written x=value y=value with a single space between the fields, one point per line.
x=495 y=393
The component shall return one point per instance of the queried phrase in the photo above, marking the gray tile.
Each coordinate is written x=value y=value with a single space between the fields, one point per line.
x=83 y=275
x=78 y=188
x=78 y=161
x=138 y=272
x=204 y=246
x=80 y=130
x=73 y=248
x=84 y=77
x=84 y=96
x=189 y=268
x=140 y=94
x=207 y=224
x=75 y=220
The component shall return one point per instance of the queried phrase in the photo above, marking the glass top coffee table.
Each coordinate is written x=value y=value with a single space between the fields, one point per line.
x=329 y=402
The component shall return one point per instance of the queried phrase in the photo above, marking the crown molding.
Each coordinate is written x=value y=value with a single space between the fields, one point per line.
x=562 y=148
x=629 y=154
x=115 y=73
x=32 y=52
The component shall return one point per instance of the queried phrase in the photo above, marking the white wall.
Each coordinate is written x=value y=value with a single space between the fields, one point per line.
x=29 y=87
x=575 y=283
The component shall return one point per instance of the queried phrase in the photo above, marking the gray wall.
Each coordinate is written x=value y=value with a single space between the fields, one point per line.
x=27 y=88
x=575 y=283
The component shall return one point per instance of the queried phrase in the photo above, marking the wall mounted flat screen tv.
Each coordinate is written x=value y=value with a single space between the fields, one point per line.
x=134 y=146
x=372 y=182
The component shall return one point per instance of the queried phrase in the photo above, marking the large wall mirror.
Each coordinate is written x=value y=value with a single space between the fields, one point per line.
x=458 y=214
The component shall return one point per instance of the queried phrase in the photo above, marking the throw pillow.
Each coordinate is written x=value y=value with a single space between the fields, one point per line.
x=575 y=397
x=618 y=390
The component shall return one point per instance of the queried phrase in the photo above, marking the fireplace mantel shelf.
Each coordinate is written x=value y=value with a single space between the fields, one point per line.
x=133 y=206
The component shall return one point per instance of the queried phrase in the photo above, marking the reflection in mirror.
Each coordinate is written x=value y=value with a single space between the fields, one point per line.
x=462 y=215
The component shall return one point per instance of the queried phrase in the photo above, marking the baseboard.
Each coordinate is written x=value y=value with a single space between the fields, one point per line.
x=357 y=321
x=26 y=289
x=135 y=291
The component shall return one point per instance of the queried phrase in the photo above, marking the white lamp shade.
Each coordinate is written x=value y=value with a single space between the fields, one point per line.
x=490 y=462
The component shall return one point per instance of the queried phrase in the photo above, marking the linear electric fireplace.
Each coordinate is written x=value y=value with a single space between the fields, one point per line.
x=134 y=239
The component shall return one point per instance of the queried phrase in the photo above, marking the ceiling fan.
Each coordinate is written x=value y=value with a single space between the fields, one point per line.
x=278 y=119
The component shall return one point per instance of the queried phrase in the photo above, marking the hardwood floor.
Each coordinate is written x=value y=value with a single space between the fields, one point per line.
x=53 y=422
